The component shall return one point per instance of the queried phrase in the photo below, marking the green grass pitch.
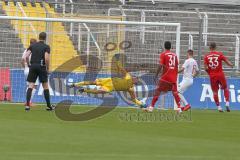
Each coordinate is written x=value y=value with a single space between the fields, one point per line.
x=40 y=135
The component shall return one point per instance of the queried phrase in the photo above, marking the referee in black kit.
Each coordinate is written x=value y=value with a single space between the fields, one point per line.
x=39 y=67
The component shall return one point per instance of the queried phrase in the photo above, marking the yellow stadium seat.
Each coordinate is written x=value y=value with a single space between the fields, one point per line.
x=62 y=48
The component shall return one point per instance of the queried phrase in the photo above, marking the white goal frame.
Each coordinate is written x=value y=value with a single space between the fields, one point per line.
x=88 y=21
x=177 y=25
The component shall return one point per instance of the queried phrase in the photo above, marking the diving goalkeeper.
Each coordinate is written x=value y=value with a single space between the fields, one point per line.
x=107 y=85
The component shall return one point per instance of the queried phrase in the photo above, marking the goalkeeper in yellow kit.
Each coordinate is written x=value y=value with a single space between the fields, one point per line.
x=107 y=85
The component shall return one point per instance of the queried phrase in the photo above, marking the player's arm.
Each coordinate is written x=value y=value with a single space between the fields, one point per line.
x=195 y=72
x=134 y=99
x=229 y=63
x=23 y=62
x=26 y=58
x=183 y=67
x=226 y=60
x=47 y=58
x=23 y=59
x=181 y=70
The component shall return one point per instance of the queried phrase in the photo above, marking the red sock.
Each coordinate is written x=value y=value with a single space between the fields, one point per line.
x=154 y=100
x=226 y=94
x=177 y=99
x=215 y=96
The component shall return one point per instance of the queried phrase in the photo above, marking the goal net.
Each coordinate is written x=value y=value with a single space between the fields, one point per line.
x=83 y=49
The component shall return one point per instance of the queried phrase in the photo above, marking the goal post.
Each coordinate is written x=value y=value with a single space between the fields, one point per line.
x=71 y=54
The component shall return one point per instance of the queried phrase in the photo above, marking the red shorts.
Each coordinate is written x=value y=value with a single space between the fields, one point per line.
x=164 y=86
x=217 y=81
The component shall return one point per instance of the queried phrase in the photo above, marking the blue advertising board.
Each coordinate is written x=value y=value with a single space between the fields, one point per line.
x=199 y=94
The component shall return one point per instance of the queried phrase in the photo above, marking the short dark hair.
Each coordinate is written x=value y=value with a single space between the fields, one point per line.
x=167 y=45
x=190 y=52
x=42 y=36
x=213 y=45
x=32 y=40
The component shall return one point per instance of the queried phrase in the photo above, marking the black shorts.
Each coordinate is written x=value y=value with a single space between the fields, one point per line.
x=36 y=71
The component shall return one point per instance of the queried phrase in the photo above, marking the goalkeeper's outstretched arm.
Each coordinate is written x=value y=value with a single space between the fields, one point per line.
x=134 y=99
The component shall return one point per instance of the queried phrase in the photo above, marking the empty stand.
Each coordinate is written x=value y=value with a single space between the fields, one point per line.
x=223 y=24
x=62 y=48
x=11 y=48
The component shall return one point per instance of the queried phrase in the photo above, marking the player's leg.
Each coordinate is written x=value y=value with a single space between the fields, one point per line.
x=35 y=88
x=161 y=89
x=97 y=90
x=215 y=87
x=183 y=86
x=181 y=90
x=43 y=78
x=47 y=95
x=33 y=93
x=82 y=83
x=155 y=97
x=98 y=81
x=103 y=85
x=226 y=92
x=176 y=96
x=32 y=77
x=135 y=100
x=29 y=95
x=26 y=72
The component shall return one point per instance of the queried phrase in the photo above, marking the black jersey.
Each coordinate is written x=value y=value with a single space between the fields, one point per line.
x=38 y=53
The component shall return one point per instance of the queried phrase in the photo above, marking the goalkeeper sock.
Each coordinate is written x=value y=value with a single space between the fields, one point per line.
x=47 y=97
x=28 y=97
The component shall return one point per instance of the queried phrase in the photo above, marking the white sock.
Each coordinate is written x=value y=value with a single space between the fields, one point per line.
x=227 y=104
x=27 y=107
x=184 y=101
x=219 y=107
x=179 y=110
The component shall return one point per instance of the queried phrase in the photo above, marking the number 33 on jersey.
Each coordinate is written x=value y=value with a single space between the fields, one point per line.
x=213 y=61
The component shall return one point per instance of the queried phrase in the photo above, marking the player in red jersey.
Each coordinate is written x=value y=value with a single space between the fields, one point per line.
x=213 y=66
x=168 y=81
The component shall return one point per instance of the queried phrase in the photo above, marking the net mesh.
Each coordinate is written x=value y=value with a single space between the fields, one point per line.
x=84 y=51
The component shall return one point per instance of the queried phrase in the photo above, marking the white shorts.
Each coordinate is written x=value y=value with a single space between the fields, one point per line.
x=185 y=84
x=26 y=72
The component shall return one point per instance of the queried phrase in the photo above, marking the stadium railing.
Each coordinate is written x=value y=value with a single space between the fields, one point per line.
x=214 y=26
